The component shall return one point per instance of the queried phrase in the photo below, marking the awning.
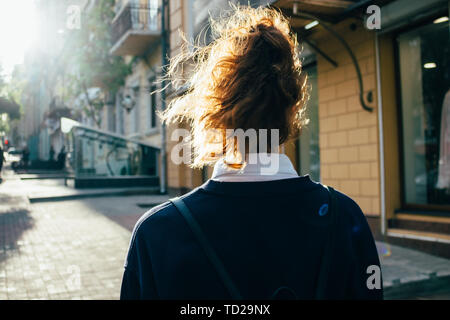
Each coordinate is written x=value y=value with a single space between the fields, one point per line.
x=67 y=125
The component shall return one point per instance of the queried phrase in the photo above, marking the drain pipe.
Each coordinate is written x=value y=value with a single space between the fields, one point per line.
x=163 y=172
x=380 y=138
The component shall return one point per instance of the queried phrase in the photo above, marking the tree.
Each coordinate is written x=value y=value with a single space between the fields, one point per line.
x=10 y=110
x=90 y=63
x=2 y=78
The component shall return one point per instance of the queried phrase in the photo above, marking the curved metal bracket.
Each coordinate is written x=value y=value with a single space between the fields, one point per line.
x=350 y=52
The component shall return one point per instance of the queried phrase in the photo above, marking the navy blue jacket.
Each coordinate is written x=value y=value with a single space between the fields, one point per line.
x=268 y=234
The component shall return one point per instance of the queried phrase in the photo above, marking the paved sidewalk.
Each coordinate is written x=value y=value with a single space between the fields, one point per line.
x=64 y=250
x=408 y=273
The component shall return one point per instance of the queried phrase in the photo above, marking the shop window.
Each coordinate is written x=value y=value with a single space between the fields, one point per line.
x=308 y=147
x=423 y=59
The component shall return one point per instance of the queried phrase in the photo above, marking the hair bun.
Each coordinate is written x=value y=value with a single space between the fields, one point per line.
x=248 y=77
x=269 y=46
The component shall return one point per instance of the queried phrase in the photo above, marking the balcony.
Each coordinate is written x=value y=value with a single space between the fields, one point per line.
x=135 y=28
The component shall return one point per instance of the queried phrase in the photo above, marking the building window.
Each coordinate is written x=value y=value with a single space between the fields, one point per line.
x=308 y=143
x=136 y=116
x=135 y=111
x=153 y=14
x=111 y=117
x=423 y=59
x=120 y=114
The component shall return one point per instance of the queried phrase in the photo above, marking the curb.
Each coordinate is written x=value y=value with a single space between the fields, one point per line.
x=433 y=284
x=145 y=191
x=42 y=177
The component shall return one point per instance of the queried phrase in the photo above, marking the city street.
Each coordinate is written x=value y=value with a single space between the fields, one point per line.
x=65 y=249
x=109 y=108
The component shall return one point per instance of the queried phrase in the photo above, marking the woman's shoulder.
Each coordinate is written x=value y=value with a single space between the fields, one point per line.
x=353 y=221
x=349 y=210
x=161 y=218
x=351 y=216
x=156 y=214
x=154 y=229
x=347 y=202
x=156 y=217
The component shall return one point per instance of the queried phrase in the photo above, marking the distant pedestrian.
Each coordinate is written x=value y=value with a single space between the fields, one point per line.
x=61 y=161
x=2 y=159
x=52 y=154
x=255 y=230
x=25 y=157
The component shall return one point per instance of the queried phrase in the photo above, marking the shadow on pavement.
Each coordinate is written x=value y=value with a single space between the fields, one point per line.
x=12 y=226
x=123 y=210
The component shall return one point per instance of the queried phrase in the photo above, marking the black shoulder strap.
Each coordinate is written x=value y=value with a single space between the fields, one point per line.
x=220 y=268
x=327 y=258
x=207 y=248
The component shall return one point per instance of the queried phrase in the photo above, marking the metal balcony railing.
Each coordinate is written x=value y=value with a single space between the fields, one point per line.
x=136 y=17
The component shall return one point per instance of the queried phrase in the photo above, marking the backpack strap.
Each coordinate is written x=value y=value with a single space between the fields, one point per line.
x=321 y=290
x=325 y=266
x=207 y=248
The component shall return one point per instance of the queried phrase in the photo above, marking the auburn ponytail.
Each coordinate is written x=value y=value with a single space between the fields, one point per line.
x=248 y=77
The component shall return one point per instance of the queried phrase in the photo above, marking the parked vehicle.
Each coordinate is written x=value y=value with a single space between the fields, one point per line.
x=14 y=151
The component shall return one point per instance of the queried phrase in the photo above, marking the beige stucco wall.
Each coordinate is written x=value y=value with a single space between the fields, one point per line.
x=348 y=134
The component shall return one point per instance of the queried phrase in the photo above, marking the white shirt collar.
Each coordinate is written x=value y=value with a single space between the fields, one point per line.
x=260 y=167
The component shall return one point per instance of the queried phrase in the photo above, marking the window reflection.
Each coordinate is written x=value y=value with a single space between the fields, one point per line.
x=93 y=153
x=425 y=96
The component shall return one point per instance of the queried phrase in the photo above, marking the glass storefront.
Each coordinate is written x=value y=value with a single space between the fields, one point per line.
x=424 y=62
x=95 y=153
x=309 y=155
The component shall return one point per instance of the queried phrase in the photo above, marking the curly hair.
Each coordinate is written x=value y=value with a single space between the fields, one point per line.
x=248 y=77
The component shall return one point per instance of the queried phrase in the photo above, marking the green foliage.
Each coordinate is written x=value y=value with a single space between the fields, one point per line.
x=15 y=86
x=83 y=63
x=88 y=58
x=10 y=92
x=89 y=50
x=4 y=125
x=2 y=78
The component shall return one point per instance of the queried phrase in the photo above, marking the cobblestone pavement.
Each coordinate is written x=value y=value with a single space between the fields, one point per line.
x=63 y=250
